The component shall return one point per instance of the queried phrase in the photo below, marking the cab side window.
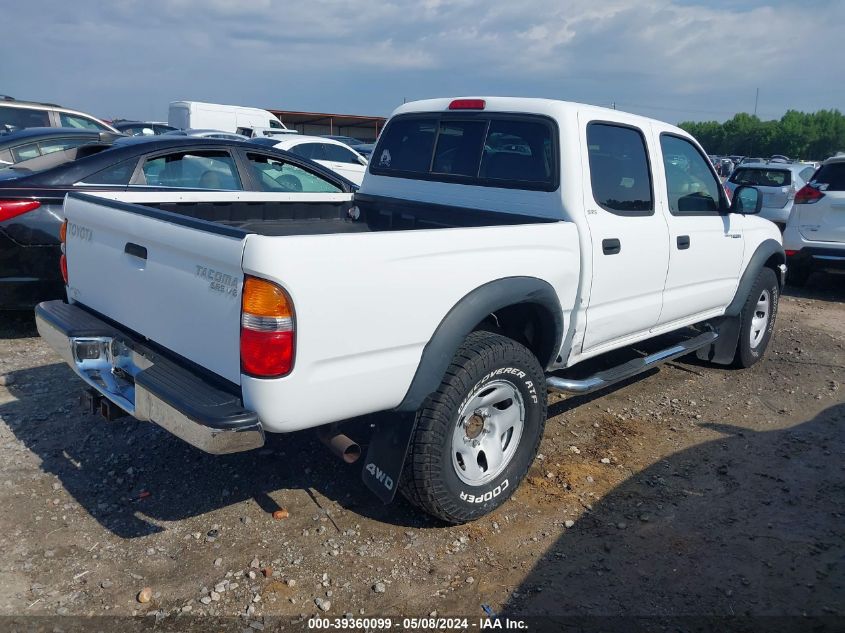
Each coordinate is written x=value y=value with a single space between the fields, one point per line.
x=276 y=175
x=619 y=169
x=80 y=122
x=339 y=154
x=692 y=187
x=312 y=151
x=193 y=170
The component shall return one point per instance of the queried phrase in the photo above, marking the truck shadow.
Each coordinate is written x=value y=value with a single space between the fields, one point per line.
x=749 y=524
x=109 y=467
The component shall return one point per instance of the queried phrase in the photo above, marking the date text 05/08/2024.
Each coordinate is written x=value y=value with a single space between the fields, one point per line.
x=429 y=623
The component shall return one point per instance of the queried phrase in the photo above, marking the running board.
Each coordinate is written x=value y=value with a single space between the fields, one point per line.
x=631 y=368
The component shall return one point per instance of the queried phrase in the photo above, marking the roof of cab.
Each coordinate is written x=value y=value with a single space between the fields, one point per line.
x=550 y=107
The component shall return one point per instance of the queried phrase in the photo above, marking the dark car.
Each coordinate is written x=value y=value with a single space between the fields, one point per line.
x=142 y=128
x=32 y=193
x=37 y=141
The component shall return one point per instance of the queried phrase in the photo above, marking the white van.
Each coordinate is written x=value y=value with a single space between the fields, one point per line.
x=215 y=116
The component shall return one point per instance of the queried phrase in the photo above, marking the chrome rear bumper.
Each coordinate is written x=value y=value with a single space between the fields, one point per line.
x=147 y=385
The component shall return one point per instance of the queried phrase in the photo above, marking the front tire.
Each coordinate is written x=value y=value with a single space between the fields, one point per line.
x=477 y=435
x=758 y=318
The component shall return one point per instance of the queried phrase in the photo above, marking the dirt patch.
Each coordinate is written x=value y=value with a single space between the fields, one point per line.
x=693 y=490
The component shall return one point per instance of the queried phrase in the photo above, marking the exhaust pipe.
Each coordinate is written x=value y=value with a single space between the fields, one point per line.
x=347 y=449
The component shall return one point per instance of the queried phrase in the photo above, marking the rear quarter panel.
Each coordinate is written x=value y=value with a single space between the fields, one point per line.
x=367 y=304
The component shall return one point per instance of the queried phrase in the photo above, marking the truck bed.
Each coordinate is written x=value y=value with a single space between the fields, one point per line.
x=377 y=213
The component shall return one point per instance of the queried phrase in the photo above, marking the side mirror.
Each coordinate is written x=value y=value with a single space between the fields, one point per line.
x=747 y=200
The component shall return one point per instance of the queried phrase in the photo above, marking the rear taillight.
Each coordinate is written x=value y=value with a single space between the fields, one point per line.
x=63 y=258
x=267 y=329
x=808 y=195
x=790 y=253
x=12 y=208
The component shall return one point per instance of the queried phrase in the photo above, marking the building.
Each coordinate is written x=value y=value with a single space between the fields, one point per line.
x=366 y=128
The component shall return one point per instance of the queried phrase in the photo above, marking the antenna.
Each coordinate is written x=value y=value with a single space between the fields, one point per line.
x=756 y=98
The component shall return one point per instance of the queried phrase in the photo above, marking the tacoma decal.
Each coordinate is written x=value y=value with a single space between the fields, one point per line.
x=218 y=281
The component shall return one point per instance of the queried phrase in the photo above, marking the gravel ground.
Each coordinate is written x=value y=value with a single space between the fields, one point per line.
x=693 y=490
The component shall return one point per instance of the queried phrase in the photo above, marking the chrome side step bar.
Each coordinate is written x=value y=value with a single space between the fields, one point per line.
x=622 y=372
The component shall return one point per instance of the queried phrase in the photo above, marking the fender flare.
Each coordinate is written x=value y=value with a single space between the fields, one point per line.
x=723 y=351
x=758 y=260
x=471 y=310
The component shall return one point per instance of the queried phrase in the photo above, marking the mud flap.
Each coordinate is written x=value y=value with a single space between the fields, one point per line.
x=723 y=350
x=386 y=454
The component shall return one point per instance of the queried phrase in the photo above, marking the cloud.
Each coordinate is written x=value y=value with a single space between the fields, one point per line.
x=672 y=58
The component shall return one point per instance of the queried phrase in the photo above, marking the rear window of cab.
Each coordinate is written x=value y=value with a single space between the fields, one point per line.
x=762 y=177
x=485 y=149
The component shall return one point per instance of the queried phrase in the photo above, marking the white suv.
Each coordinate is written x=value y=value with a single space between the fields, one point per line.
x=814 y=238
x=17 y=115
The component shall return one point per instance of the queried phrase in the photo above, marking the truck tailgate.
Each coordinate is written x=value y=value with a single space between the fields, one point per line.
x=174 y=280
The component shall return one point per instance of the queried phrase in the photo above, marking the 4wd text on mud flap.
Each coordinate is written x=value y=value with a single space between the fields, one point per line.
x=380 y=475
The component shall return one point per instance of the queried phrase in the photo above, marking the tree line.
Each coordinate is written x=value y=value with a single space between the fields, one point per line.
x=804 y=135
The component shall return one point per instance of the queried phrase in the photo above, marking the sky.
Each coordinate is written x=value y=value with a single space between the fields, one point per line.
x=675 y=60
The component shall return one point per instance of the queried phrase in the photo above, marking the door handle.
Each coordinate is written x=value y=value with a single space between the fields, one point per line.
x=611 y=246
x=136 y=250
x=683 y=242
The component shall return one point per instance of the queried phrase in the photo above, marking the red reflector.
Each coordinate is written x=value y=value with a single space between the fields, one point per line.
x=12 y=208
x=790 y=253
x=266 y=354
x=63 y=267
x=467 y=104
x=808 y=195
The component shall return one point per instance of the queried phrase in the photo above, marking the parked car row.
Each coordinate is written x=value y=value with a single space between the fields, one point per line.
x=18 y=115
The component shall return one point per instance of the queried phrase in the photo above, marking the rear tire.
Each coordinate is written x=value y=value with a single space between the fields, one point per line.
x=758 y=319
x=477 y=435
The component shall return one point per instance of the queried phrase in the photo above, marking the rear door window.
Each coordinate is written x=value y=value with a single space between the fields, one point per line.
x=311 y=151
x=486 y=149
x=25 y=152
x=339 y=154
x=193 y=170
x=830 y=177
x=19 y=118
x=756 y=177
x=59 y=145
x=279 y=176
x=118 y=174
x=81 y=122
x=619 y=169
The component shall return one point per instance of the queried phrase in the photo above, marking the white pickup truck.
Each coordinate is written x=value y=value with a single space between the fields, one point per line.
x=495 y=243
